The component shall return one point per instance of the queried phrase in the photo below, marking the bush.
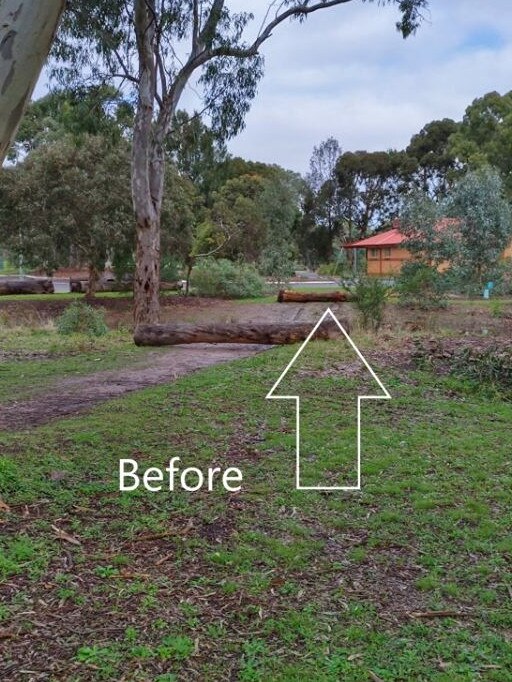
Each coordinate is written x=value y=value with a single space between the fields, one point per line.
x=277 y=261
x=225 y=279
x=169 y=270
x=370 y=295
x=81 y=318
x=327 y=269
x=421 y=286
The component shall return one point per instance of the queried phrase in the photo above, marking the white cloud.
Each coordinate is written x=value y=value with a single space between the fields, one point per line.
x=346 y=72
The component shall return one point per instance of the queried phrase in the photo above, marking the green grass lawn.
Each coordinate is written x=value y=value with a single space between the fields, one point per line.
x=35 y=359
x=271 y=584
x=66 y=296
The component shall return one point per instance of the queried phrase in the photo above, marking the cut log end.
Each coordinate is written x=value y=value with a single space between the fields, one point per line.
x=267 y=334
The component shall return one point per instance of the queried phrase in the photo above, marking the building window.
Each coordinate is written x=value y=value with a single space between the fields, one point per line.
x=386 y=253
x=374 y=253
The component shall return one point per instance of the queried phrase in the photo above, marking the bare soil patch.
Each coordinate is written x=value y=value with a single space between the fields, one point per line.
x=75 y=395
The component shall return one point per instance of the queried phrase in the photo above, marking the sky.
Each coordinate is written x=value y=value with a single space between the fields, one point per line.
x=346 y=72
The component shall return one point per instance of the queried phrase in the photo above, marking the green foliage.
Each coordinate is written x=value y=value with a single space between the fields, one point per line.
x=197 y=152
x=421 y=286
x=435 y=160
x=370 y=300
x=485 y=135
x=226 y=279
x=10 y=477
x=420 y=222
x=169 y=270
x=69 y=198
x=277 y=261
x=497 y=308
x=78 y=112
x=484 y=227
x=371 y=185
x=469 y=228
x=327 y=269
x=81 y=318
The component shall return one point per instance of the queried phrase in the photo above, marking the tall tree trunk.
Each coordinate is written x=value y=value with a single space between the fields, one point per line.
x=147 y=272
x=147 y=172
x=27 y=29
x=148 y=210
x=92 y=282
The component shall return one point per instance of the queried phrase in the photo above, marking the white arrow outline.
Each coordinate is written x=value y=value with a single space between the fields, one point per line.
x=270 y=396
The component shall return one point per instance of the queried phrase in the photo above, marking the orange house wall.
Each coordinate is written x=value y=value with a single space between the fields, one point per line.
x=508 y=252
x=392 y=264
x=386 y=265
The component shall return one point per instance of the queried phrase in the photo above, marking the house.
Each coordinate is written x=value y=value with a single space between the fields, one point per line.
x=385 y=253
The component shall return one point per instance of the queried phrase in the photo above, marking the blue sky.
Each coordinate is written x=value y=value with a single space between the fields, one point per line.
x=346 y=72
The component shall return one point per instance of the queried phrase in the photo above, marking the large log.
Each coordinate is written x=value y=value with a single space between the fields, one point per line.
x=287 y=296
x=79 y=286
x=270 y=334
x=28 y=285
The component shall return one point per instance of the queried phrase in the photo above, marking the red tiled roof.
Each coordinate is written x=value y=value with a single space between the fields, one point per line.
x=391 y=237
x=394 y=237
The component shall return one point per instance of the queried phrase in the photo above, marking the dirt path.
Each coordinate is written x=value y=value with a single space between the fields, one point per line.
x=75 y=395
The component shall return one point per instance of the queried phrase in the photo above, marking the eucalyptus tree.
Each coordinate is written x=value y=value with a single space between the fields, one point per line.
x=69 y=200
x=432 y=151
x=159 y=47
x=94 y=110
x=371 y=186
x=484 y=223
x=26 y=33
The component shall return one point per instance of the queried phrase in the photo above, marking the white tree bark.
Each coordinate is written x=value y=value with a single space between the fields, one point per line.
x=27 y=29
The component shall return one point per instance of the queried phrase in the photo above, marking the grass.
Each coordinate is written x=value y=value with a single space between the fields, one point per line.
x=65 y=296
x=69 y=296
x=35 y=359
x=271 y=584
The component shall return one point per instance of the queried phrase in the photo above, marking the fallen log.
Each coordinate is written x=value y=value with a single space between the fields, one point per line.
x=287 y=296
x=270 y=334
x=25 y=285
x=79 y=286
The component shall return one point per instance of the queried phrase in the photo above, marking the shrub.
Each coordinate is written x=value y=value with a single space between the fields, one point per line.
x=370 y=295
x=327 y=269
x=81 y=318
x=421 y=286
x=277 y=262
x=169 y=270
x=226 y=279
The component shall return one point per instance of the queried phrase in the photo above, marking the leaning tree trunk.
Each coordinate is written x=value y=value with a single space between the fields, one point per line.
x=27 y=29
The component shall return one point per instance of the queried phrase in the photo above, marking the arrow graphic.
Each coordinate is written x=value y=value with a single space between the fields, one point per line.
x=271 y=396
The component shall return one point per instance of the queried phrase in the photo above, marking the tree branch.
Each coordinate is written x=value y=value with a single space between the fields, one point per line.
x=195 y=26
x=211 y=23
